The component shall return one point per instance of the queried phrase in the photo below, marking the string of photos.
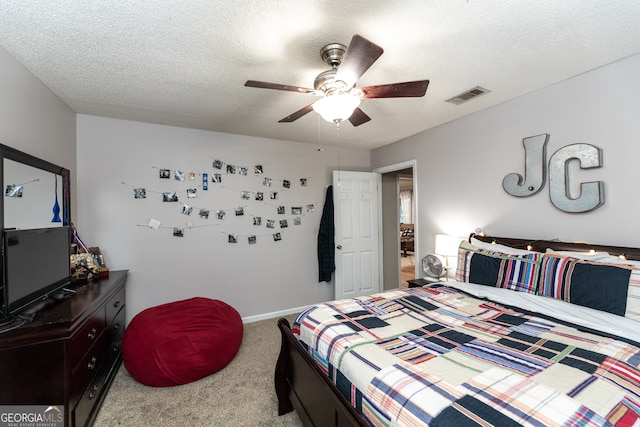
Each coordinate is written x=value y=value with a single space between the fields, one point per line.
x=268 y=197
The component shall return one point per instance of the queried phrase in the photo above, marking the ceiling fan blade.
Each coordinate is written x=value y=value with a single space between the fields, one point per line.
x=295 y=116
x=360 y=55
x=396 y=90
x=358 y=117
x=278 y=86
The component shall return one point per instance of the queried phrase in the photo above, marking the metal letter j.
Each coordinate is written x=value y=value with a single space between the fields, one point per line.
x=534 y=168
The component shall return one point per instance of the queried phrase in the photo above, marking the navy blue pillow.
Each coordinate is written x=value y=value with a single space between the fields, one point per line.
x=600 y=286
x=484 y=269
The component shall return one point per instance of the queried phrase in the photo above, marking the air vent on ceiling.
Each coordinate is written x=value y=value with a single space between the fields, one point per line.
x=467 y=95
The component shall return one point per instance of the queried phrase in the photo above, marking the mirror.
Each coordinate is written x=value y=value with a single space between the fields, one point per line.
x=35 y=192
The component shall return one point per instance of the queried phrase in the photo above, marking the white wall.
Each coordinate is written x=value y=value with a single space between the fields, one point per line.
x=34 y=120
x=460 y=165
x=259 y=279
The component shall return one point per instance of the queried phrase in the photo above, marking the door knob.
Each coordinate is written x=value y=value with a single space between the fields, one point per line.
x=339 y=246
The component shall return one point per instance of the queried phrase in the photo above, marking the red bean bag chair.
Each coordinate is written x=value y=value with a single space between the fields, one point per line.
x=182 y=341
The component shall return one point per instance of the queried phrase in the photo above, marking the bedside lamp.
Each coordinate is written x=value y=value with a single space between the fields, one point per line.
x=447 y=246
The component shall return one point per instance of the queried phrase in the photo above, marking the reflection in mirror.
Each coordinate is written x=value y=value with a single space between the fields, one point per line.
x=35 y=192
x=33 y=197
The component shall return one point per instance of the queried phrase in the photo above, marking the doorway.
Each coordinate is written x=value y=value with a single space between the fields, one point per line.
x=406 y=203
x=397 y=178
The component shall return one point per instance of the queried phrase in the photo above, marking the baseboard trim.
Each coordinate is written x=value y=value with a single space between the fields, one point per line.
x=274 y=314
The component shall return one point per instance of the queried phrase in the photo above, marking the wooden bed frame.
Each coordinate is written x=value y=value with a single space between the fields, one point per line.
x=301 y=385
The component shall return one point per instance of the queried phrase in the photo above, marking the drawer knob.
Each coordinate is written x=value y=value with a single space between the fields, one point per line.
x=116 y=326
x=92 y=364
x=92 y=334
x=116 y=304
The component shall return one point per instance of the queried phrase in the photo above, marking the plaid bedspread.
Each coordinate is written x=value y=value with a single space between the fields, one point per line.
x=439 y=357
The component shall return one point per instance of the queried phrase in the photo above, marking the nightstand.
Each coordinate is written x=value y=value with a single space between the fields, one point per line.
x=418 y=283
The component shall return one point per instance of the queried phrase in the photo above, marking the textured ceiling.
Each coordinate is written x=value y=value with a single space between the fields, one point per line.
x=184 y=63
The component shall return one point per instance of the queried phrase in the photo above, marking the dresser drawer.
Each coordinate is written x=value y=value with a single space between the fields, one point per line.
x=115 y=304
x=113 y=356
x=115 y=329
x=91 y=396
x=84 y=371
x=81 y=341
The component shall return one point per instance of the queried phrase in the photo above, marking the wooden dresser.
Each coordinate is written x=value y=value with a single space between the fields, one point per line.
x=69 y=353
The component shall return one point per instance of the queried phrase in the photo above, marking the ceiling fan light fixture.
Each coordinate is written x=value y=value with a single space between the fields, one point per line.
x=337 y=86
x=336 y=108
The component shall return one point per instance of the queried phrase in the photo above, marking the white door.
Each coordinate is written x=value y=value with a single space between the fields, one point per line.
x=357 y=231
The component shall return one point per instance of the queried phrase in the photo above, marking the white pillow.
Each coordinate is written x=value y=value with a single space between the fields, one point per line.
x=617 y=260
x=508 y=250
x=596 y=257
x=586 y=256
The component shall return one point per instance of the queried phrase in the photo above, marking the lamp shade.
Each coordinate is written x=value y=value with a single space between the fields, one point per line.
x=336 y=108
x=447 y=245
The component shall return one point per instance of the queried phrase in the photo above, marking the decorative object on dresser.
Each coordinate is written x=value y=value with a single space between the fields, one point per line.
x=88 y=265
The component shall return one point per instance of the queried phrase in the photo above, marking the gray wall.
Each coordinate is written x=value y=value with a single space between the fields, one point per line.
x=34 y=120
x=460 y=165
x=261 y=280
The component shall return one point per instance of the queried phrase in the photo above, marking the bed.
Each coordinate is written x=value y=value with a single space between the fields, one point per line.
x=525 y=335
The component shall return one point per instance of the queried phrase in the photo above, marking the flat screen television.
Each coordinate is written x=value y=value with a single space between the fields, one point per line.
x=35 y=264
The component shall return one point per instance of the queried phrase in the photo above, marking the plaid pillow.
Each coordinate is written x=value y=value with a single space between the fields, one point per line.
x=597 y=285
x=483 y=267
x=633 y=294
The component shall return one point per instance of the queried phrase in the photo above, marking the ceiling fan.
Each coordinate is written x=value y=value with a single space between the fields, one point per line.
x=340 y=98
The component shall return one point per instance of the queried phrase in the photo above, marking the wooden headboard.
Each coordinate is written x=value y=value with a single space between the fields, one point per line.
x=542 y=245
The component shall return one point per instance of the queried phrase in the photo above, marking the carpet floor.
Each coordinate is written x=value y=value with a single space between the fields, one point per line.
x=241 y=394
